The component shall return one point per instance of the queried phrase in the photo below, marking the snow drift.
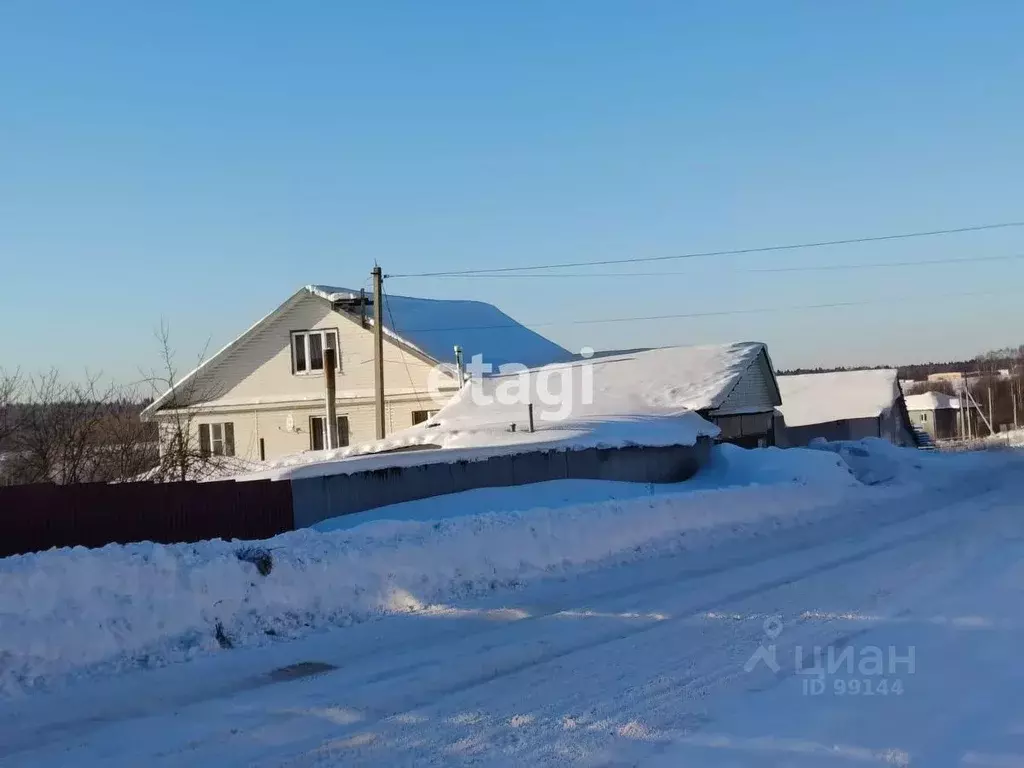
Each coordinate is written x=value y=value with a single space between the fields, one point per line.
x=729 y=466
x=68 y=611
x=73 y=612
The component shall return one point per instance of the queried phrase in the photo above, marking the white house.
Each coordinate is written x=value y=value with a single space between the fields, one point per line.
x=263 y=395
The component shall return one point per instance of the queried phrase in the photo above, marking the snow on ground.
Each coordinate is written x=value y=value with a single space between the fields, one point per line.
x=82 y=611
x=217 y=468
x=655 y=662
x=649 y=398
x=1013 y=438
x=729 y=466
x=818 y=398
x=66 y=613
x=875 y=461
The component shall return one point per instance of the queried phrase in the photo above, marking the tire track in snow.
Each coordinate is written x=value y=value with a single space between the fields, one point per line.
x=499 y=672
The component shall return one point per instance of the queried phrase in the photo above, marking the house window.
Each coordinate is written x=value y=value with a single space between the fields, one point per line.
x=217 y=439
x=308 y=350
x=418 y=417
x=318 y=432
x=924 y=417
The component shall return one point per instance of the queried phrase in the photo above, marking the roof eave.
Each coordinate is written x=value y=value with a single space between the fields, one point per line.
x=151 y=410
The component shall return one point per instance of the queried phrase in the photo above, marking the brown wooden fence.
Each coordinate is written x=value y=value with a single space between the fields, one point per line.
x=38 y=517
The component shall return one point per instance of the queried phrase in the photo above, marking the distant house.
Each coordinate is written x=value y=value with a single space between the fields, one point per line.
x=263 y=395
x=954 y=377
x=936 y=413
x=843 y=405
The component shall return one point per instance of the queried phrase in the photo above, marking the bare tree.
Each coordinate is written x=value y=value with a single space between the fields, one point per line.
x=54 y=440
x=126 y=447
x=182 y=454
x=10 y=388
x=941 y=385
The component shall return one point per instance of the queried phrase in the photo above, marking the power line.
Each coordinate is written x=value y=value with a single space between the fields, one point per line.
x=720 y=313
x=759 y=270
x=704 y=254
x=394 y=327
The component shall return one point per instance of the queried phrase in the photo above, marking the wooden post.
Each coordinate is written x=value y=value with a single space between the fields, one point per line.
x=378 y=348
x=530 y=408
x=331 y=427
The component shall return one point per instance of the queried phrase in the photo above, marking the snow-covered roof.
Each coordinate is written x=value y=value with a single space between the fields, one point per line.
x=641 y=398
x=818 y=398
x=436 y=326
x=931 y=401
x=431 y=326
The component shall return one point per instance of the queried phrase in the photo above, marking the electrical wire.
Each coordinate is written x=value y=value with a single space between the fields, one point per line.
x=394 y=327
x=759 y=270
x=931 y=298
x=704 y=254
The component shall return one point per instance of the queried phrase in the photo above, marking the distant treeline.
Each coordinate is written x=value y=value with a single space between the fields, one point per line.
x=1007 y=358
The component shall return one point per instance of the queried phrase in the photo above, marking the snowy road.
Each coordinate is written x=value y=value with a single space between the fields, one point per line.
x=641 y=664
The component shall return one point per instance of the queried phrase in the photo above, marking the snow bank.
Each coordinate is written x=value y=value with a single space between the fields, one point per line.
x=66 y=613
x=734 y=466
x=76 y=612
x=729 y=466
x=874 y=461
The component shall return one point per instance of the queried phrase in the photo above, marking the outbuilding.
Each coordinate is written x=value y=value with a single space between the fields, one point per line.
x=936 y=413
x=843 y=405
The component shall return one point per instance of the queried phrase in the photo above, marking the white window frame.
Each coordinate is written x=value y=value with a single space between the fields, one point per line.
x=343 y=430
x=214 y=445
x=323 y=333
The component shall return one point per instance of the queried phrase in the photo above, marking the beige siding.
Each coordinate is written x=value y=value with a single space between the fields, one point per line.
x=253 y=386
x=753 y=393
x=282 y=437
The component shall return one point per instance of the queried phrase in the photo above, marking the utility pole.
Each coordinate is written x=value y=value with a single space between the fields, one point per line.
x=331 y=427
x=378 y=347
x=1013 y=396
x=991 y=419
x=1013 y=399
x=977 y=406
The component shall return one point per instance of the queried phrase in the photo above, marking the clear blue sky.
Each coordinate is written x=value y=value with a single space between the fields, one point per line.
x=199 y=161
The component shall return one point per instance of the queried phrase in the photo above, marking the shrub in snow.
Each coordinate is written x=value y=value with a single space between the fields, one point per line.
x=259 y=557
